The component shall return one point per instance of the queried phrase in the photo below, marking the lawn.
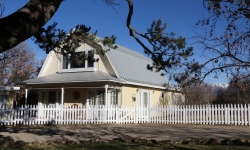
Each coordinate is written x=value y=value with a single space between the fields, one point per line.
x=129 y=146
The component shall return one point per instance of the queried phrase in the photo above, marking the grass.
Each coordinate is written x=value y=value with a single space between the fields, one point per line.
x=128 y=146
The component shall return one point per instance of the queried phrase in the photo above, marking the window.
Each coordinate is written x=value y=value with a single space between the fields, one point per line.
x=90 y=58
x=144 y=98
x=77 y=62
x=173 y=98
x=100 y=98
x=113 y=98
x=92 y=95
x=65 y=61
x=162 y=94
x=3 y=100
x=43 y=97
x=52 y=97
x=96 y=97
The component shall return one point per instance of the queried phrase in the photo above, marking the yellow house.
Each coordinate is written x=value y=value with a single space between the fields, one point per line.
x=120 y=77
x=7 y=94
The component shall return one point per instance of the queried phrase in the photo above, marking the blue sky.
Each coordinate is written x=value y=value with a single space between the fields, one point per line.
x=180 y=15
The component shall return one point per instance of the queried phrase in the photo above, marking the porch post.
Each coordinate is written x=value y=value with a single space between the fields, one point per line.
x=26 y=96
x=62 y=101
x=106 y=95
x=62 y=96
x=122 y=95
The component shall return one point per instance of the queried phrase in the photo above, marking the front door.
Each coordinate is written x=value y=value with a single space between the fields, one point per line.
x=144 y=97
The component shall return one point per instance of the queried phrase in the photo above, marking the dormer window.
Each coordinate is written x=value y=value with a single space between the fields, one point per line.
x=65 y=62
x=90 y=59
x=78 y=64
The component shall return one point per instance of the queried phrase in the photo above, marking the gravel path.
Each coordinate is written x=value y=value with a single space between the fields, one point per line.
x=110 y=131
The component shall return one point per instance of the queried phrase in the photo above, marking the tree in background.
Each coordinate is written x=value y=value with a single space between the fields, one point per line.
x=198 y=94
x=225 y=96
x=237 y=92
x=16 y=65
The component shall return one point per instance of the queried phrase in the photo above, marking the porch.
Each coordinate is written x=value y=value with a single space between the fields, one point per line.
x=78 y=94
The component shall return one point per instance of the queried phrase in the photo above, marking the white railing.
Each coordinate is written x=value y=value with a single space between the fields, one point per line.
x=174 y=114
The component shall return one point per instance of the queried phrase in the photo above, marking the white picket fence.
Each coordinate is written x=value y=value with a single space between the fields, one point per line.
x=174 y=114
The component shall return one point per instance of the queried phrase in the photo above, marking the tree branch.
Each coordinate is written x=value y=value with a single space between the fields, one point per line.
x=26 y=22
x=132 y=30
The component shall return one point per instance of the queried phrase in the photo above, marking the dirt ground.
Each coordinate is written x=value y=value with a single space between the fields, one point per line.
x=110 y=131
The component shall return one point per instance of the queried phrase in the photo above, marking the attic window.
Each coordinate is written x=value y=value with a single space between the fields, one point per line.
x=90 y=59
x=77 y=63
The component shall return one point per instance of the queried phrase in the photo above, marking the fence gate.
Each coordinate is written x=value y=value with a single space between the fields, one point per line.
x=127 y=114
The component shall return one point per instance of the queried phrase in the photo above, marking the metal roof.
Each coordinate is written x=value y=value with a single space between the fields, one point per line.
x=132 y=66
x=93 y=76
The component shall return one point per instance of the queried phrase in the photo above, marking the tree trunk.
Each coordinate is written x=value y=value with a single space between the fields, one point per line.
x=26 y=22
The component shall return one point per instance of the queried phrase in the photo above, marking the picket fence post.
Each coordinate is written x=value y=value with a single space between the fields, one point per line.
x=248 y=110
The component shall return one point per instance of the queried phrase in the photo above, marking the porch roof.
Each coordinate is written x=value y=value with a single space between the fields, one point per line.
x=74 y=77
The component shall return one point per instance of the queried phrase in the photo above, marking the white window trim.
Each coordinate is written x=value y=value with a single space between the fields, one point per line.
x=78 y=69
x=115 y=96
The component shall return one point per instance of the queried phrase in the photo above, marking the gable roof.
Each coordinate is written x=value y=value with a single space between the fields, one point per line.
x=132 y=66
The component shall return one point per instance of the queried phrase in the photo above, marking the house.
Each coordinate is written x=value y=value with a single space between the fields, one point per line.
x=7 y=95
x=120 y=77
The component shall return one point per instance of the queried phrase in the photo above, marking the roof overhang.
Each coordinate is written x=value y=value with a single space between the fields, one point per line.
x=146 y=85
x=9 y=88
x=77 y=78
